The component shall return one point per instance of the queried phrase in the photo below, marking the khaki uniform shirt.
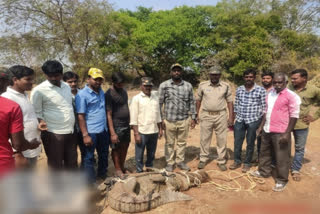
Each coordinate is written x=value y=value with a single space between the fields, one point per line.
x=214 y=97
x=309 y=95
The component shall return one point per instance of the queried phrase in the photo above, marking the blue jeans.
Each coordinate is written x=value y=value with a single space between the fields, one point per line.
x=242 y=130
x=101 y=142
x=148 y=141
x=300 y=140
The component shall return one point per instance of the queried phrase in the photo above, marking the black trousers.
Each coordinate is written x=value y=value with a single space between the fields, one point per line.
x=61 y=150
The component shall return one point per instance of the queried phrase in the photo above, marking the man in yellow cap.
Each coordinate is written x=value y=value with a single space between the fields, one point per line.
x=90 y=106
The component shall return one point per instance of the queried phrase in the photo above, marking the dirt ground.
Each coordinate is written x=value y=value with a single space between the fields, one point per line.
x=207 y=198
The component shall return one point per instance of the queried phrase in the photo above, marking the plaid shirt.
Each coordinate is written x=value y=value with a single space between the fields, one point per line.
x=249 y=105
x=178 y=100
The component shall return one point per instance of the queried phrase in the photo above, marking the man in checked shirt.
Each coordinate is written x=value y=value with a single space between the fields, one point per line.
x=249 y=106
x=176 y=95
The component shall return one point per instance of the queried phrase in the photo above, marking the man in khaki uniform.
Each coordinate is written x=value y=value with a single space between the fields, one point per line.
x=214 y=94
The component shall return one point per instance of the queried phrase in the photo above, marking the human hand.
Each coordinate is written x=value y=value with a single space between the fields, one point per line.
x=137 y=138
x=42 y=126
x=160 y=133
x=163 y=124
x=87 y=141
x=34 y=143
x=308 y=119
x=230 y=122
x=20 y=161
x=193 y=124
x=258 y=131
x=284 y=138
x=114 y=139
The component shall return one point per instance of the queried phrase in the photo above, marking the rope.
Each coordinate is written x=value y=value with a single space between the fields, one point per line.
x=225 y=187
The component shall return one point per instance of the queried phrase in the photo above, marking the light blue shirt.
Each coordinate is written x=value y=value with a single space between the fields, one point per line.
x=92 y=104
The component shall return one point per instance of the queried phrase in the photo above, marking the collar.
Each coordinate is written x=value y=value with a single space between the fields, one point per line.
x=181 y=83
x=218 y=84
x=281 y=92
x=12 y=91
x=144 y=95
x=62 y=84
x=305 y=87
x=254 y=87
x=90 y=90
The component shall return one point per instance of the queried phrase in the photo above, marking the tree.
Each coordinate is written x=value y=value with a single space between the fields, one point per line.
x=63 y=29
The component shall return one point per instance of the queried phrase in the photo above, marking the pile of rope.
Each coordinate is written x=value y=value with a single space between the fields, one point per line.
x=233 y=176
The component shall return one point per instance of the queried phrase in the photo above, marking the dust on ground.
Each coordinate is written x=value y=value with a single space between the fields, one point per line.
x=209 y=199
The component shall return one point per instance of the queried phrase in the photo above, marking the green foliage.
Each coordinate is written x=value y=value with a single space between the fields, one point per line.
x=265 y=34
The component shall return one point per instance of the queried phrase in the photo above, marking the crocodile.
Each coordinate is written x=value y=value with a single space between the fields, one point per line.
x=145 y=191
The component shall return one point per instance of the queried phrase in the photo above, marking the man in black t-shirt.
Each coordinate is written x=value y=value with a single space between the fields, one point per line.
x=118 y=120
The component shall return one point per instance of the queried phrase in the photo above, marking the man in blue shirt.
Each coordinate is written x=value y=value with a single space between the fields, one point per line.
x=249 y=106
x=90 y=106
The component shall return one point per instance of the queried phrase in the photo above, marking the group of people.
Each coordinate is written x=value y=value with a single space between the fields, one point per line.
x=64 y=117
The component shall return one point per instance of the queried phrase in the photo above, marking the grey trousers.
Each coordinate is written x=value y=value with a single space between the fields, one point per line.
x=270 y=142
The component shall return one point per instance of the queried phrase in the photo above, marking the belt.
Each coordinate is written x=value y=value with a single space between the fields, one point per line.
x=214 y=112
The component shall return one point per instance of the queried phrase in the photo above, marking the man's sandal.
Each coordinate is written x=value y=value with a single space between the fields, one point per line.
x=296 y=176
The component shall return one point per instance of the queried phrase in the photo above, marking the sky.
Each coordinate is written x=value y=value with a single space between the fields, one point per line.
x=158 y=4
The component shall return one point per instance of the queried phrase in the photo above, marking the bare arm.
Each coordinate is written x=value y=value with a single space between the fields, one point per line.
x=198 y=105
x=263 y=121
x=83 y=127
x=20 y=144
x=285 y=137
x=114 y=136
x=230 y=109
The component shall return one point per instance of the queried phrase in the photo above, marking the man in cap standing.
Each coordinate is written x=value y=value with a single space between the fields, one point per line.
x=214 y=94
x=146 y=122
x=90 y=106
x=176 y=95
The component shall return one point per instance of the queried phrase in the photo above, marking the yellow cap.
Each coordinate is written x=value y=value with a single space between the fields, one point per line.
x=95 y=73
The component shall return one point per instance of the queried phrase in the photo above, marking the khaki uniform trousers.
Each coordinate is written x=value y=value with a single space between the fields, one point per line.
x=176 y=133
x=216 y=122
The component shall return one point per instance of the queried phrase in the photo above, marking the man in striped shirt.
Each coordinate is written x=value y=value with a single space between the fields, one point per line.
x=280 y=117
x=176 y=95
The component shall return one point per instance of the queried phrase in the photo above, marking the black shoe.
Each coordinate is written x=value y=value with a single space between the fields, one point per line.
x=222 y=167
x=202 y=164
x=183 y=166
x=235 y=166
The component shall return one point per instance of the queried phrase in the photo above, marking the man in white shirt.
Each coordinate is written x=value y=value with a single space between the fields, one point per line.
x=52 y=101
x=146 y=122
x=21 y=81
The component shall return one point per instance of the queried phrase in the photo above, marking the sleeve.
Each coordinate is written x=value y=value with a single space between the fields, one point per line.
x=229 y=94
x=263 y=99
x=236 y=102
x=16 y=120
x=317 y=96
x=266 y=108
x=36 y=99
x=81 y=104
x=108 y=99
x=294 y=106
x=161 y=100
x=134 y=111
x=199 y=93
x=192 y=104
